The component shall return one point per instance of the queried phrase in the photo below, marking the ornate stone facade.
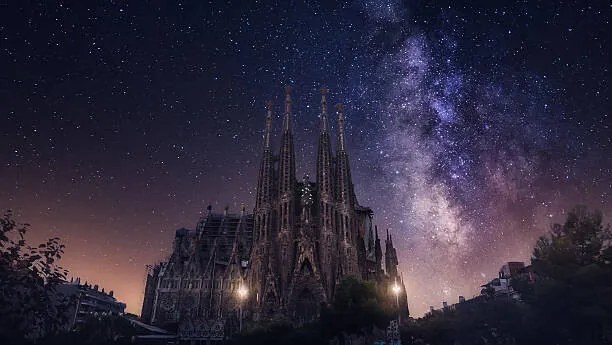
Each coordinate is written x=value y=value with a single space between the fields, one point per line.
x=290 y=254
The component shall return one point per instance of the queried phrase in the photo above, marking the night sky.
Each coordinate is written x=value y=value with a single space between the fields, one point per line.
x=471 y=127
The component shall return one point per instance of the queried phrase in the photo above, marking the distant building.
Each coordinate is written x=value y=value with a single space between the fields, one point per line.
x=85 y=300
x=499 y=287
x=511 y=268
x=149 y=293
x=502 y=285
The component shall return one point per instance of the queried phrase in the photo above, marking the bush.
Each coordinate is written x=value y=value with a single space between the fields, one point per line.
x=357 y=307
x=29 y=305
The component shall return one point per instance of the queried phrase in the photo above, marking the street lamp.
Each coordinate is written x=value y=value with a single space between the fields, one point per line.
x=242 y=295
x=396 y=290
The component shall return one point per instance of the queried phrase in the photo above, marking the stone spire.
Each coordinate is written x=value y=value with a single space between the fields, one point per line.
x=344 y=183
x=265 y=182
x=268 y=132
x=391 y=261
x=324 y=155
x=286 y=208
x=377 y=252
x=287 y=154
x=323 y=117
x=325 y=189
x=341 y=140
x=287 y=117
x=348 y=235
x=370 y=240
x=264 y=201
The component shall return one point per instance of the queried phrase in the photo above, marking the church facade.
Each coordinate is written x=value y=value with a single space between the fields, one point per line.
x=287 y=257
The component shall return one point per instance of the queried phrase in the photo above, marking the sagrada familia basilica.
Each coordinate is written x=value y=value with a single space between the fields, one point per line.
x=283 y=260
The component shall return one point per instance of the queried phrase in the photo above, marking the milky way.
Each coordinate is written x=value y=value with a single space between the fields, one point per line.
x=471 y=127
x=465 y=155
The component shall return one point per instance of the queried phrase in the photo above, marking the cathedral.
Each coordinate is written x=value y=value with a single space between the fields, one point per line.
x=283 y=260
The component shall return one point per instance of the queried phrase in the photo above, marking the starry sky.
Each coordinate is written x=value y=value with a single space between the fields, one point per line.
x=471 y=127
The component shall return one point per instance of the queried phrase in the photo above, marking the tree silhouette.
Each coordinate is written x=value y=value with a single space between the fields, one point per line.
x=572 y=294
x=357 y=306
x=566 y=295
x=29 y=306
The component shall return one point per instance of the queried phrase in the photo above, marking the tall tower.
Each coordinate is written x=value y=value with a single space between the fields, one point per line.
x=262 y=275
x=265 y=183
x=325 y=189
x=286 y=195
x=378 y=254
x=344 y=203
x=391 y=261
x=344 y=184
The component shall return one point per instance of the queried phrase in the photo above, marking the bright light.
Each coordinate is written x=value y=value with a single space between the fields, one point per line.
x=242 y=292
x=396 y=289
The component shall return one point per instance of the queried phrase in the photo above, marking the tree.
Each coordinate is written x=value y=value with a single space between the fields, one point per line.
x=281 y=332
x=29 y=306
x=479 y=321
x=357 y=306
x=566 y=295
x=98 y=329
x=572 y=293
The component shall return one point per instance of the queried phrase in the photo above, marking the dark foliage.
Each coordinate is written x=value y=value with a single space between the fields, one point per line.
x=280 y=332
x=99 y=329
x=566 y=296
x=29 y=306
x=357 y=307
x=572 y=294
x=480 y=321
